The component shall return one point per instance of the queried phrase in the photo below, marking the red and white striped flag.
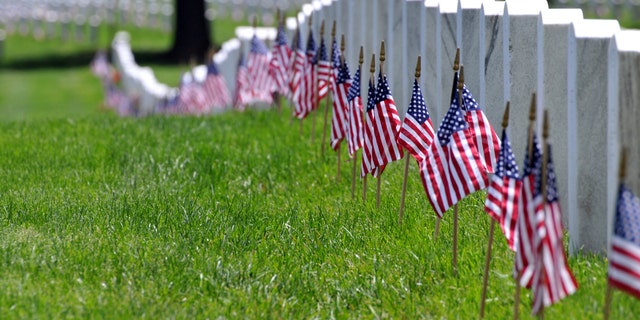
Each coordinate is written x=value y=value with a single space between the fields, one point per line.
x=453 y=168
x=215 y=88
x=297 y=74
x=624 y=256
x=325 y=70
x=367 y=148
x=553 y=279
x=258 y=70
x=339 y=90
x=355 y=134
x=417 y=134
x=504 y=192
x=386 y=126
x=485 y=137
x=280 y=61
x=243 y=91
x=530 y=210
x=307 y=96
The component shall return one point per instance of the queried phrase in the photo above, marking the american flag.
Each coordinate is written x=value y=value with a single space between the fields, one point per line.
x=280 y=61
x=215 y=88
x=258 y=70
x=553 y=280
x=324 y=70
x=297 y=74
x=339 y=90
x=485 y=137
x=355 y=134
x=367 y=150
x=243 y=91
x=417 y=134
x=529 y=209
x=624 y=256
x=307 y=95
x=386 y=124
x=453 y=168
x=192 y=97
x=504 y=192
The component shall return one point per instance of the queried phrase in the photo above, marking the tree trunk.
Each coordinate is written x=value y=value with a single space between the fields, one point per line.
x=191 y=37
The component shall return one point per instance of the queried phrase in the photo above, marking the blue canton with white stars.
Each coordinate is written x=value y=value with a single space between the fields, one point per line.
x=344 y=75
x=534 y=166
x=552 y=189
x=470 y=104
x=383 y=90
x=281 y=38
x=507 y=166
x=322 y=53
x=336 y=55
x=257 y=46
x=311 y=47
x=371 y=96
x=627 y=224
x=417 y=107
x=354 y=90
x=453 y=121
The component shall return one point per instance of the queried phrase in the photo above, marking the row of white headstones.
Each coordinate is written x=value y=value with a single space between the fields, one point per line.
x=585 y=72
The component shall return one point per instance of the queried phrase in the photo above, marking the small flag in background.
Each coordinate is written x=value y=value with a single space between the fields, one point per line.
x=453 y=168
x=339 y=90
x=355 y=134
x=416 y=134
x=367 y=150
x=192 y=96
x=624 y=256
x=297 y=74
x=553 y=280
x=215 y=88
x=100 y=65
x=308 y=90
x=504 y=192
x=280 y=61
x=484 y=136
x=324 y=70
x=258 y=70
x=529 y=209
x=243 y=91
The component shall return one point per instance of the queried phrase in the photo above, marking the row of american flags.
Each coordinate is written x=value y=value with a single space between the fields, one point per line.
x=462 y=156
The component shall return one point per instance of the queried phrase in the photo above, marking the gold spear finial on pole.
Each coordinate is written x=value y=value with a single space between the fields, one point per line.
x=322 y=29
x=255 y=22
x=456 y=61
x=461 y=79
x=382 y=57
x=532 y=108
x=333 y=30
x=278 y=17
x=372 y=69
x=418 y=67
x=310 y=20
x=623 y=164
x=361 y=60
x=545 y=125
x=342 y=44
x=505 y=117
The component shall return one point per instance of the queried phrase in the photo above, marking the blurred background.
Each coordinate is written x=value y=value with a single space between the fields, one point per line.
x=46 y=46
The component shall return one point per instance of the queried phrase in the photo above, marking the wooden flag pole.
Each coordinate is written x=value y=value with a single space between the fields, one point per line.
x=621 y=175
x=326 y=109
x=408 y=156
x=544 y=182
x=308 y=36
x=455 y=206
x=372 y=69
x=382 y=59
x=532 y=119
x=487 y=262
x=355 y=156
x=277 y=98
x=316 y=89
x=456 y=67
x=296 y=40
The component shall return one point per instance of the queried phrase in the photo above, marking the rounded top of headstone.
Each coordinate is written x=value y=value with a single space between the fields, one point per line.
x=627 y=40
x=493 y=8
x=327 y=2
x=317 y=5
x=307 y=9
x=524 y=8
x=595 y=28
x=448 y=6
x=559 y=16
x=470 y=4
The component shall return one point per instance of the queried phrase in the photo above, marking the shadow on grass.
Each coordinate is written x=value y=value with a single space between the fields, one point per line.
x=81 y=59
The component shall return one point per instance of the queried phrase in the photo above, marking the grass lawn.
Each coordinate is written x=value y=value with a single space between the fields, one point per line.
x=230 y=216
